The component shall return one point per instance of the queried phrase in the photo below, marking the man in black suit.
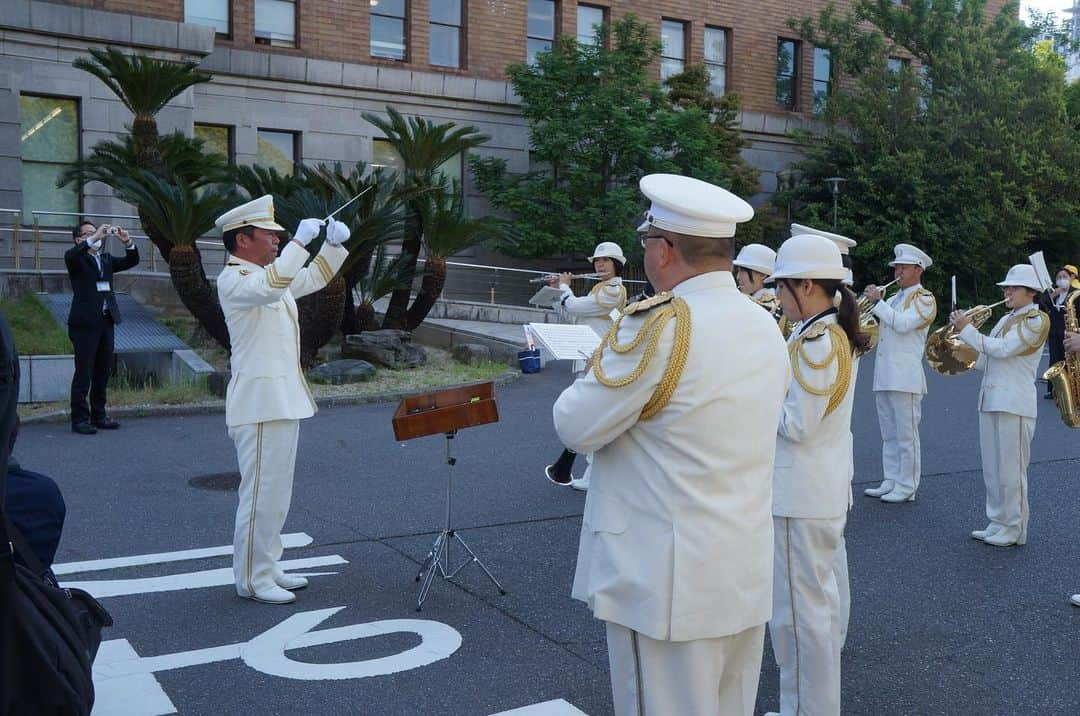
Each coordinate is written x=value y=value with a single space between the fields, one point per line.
x=90 y=324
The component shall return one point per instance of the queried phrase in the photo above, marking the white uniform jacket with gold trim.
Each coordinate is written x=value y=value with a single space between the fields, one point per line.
x=1009 y=358
x=594 y=310
x=904 y=324
x=812 y=474
x=676 y=541
x=260 y=310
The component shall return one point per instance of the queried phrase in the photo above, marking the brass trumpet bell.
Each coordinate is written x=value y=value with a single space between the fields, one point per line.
x=949 y=355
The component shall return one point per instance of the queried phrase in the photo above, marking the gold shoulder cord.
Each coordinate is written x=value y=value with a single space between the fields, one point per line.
x=927 y=318
x=651 y=331
x=1038 y=335
x=839 y=387
x=620 y=304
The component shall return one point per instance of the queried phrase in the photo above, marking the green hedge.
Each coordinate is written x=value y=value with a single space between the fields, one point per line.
x=36 y=331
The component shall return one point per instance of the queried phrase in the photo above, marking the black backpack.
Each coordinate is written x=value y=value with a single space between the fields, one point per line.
x=49 y=639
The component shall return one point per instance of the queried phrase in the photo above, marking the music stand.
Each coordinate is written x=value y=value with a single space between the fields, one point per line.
x=446 y=412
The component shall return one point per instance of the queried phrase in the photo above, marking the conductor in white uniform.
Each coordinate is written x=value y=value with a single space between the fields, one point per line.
x=680 y=411
x=267 y=394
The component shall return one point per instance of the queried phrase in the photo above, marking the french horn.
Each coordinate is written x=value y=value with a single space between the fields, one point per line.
x=949 y=355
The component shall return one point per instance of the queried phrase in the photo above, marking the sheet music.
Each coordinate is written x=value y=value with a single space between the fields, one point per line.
x=566 y=341
x=546 y=297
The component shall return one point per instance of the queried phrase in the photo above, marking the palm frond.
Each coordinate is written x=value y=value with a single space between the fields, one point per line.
x=185 y=160
x=144 y=84
x=446 y=227
x=257 y=181
x=423 y=145
x=385 y=274
x=179 y=212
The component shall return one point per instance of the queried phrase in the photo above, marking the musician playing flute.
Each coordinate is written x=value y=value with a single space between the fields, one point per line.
x=812 y=473
x=680 y=411
x=1009 y=358
x=593 y=310
x=267 y=394
x=899 y=378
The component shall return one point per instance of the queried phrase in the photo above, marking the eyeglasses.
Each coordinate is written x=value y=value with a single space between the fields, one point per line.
x=667 y=241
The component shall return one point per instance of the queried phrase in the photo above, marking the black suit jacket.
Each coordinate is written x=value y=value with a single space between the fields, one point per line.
x=83 y=271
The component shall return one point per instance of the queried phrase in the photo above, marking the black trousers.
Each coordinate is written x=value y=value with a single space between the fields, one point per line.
x=93 y=362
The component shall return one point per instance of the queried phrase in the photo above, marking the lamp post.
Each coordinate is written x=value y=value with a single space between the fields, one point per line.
x=834 y=187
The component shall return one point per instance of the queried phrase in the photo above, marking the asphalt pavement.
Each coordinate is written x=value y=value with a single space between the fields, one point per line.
x=941 y=624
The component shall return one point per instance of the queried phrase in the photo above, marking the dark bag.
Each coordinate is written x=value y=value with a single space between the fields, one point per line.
x=51 y=637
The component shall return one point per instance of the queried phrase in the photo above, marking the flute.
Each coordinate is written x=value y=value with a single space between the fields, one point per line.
x=548 y=277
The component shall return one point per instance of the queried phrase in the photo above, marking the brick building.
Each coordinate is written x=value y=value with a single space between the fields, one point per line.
x=291 y=77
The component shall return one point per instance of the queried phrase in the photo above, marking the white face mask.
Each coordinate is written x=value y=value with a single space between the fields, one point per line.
x=1063 y=283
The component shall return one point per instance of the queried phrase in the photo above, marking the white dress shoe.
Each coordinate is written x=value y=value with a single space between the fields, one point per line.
x=269 y=595
x=1001 y=539
x=991 y=529
x=580 y=484
x=1075 y=600
x=290 y=581
x=898 y=495
x=883 y=489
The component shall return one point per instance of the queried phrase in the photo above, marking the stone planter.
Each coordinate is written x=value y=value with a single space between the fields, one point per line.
x=45 y=379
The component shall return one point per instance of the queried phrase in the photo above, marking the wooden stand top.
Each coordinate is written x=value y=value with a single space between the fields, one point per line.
x=445 y=411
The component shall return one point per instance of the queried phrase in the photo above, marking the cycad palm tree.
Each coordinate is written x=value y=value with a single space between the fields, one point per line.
x=423 y=147
x=385 y=274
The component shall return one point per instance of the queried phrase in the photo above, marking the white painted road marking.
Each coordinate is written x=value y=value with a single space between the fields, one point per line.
x=558 y=707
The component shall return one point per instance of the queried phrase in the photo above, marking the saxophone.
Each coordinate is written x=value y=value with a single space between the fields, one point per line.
x=1064 y=376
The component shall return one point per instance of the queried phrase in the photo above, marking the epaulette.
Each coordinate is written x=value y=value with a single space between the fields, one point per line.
x=815 y=331
x=649 y=303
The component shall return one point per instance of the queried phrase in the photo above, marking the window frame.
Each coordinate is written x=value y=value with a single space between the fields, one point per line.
x=79 y=195
x=406 y=55
x=796 y=78
x=814 y=81
x=556 y=17
x=231 y=133
x=228 y=19
x=463 y=9
x=727 y=54
x=686 y=29
x=604 y=14
x=269 y=42
x=297 y=139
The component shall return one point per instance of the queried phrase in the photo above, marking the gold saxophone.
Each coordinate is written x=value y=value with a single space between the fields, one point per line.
x=1064 y=376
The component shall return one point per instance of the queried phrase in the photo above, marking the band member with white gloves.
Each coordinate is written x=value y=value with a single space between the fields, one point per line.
x=1072 y=345
x=1009 y=358
x=593 y=310
x=812 y=476
x=899 y=379
x=679 y=411
x=267 y=394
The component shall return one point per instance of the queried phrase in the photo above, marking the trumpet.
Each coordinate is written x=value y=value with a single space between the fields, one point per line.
x=949 y=355
x=868 y=322
x=547 y=277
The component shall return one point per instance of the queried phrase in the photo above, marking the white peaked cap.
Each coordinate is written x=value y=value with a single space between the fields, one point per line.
x=809 y=256
x=1023 y=275
x=693 y=207
x=842 y=242
x=608 y=250
x=257 y=212
x=757 y=257
x=908 y=254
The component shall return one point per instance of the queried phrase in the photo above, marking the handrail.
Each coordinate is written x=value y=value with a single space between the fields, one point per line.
x=83 y=213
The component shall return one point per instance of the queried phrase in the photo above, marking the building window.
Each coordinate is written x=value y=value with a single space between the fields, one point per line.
x=541 y=28
x=275 y=23
x=589 y=20
x=444 y=33
x=217 y=138
x=214 y=13
x=384 y=156
x=388 y=22
x=49 y=144
x=716 y=41
x=673 y=54
x=822 y=78
x=897 y=64
x=278 y=150
x=787 y=73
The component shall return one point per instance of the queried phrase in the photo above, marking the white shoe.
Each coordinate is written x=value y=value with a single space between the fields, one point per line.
x=883 y=489
x=898 y=495
x=290 y=581
x=991 y=529
x=1001 y=539
x=1075 y=600
x=269 y=595
x=580 y=484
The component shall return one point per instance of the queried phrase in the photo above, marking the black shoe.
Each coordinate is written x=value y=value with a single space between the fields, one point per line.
x=83 y=428
x=106 y=424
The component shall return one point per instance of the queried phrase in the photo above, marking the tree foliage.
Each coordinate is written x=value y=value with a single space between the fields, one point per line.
x=598 y=122
x=967 y=151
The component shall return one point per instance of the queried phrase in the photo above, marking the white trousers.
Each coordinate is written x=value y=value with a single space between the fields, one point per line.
x=843 y=588
x=1005 y=443
x=901 y=454
x=704 y=677
x=806 y=605
x=267 y=456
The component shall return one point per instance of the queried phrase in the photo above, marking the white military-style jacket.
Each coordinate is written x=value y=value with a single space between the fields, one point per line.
x=594 y=310
x=676 y=541
x=904 y=324
x=813 y=470
x=259 y=303
x=1009 y=358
